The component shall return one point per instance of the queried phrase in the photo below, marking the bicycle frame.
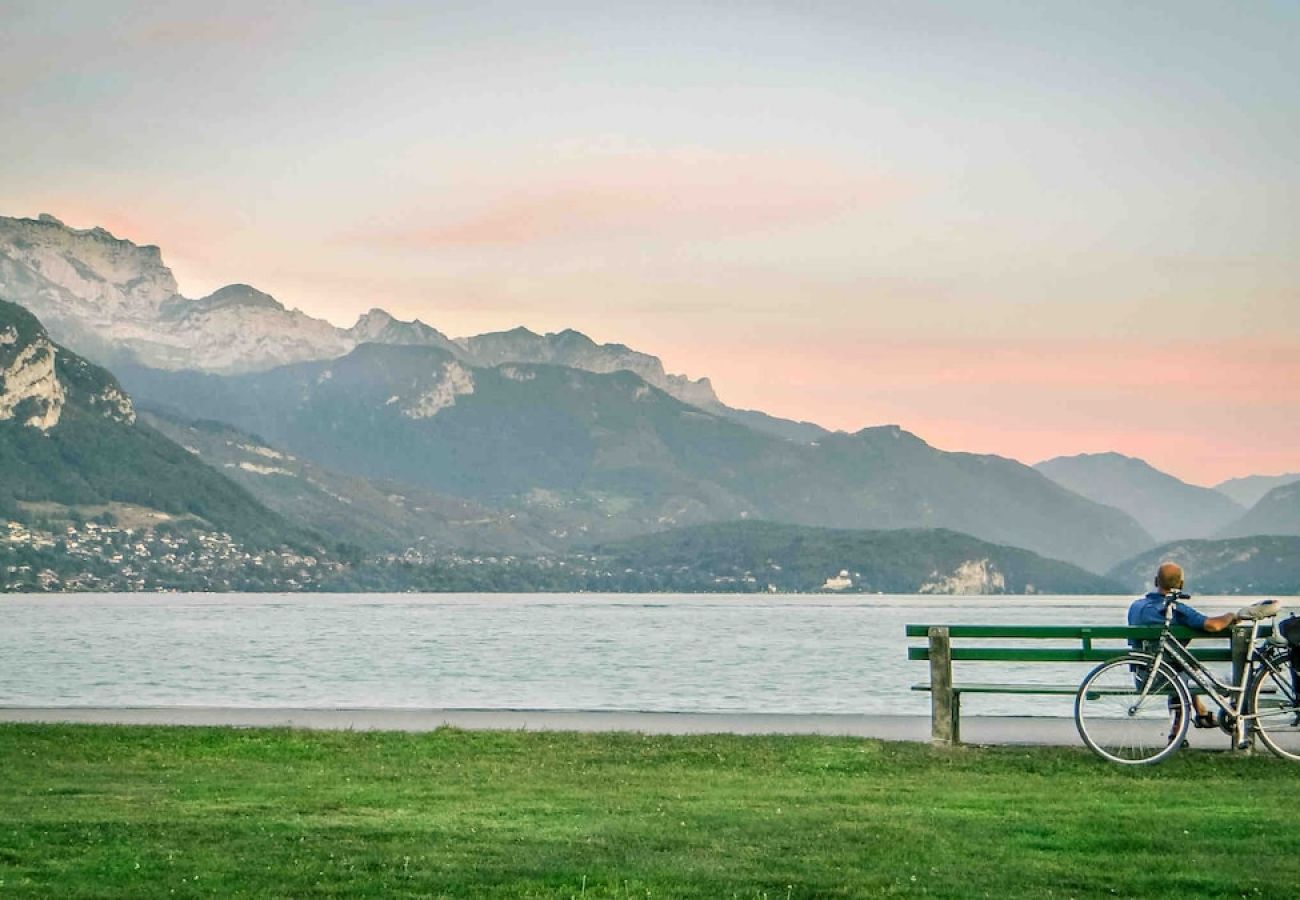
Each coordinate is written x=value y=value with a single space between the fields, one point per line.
x=1230 y=698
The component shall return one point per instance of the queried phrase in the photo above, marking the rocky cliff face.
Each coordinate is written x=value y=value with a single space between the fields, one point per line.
x=973 y=576
x=86 y=272
x=115 y=300
x=30 y=391
x=38 y=381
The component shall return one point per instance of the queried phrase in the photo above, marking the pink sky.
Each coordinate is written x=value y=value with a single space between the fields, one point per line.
x=1006 y=230
x=1202 y=409
x=1205 y=412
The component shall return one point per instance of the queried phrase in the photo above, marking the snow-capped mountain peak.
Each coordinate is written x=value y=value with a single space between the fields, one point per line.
x=116 y=301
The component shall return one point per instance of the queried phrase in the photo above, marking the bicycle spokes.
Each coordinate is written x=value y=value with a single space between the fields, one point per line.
x=1131 y=713
x=1276 y=710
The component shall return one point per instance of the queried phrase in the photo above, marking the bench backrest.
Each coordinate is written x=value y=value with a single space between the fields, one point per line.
x=1114 y=641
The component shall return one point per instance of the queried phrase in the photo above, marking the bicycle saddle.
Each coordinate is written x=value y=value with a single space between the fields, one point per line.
x=1262 y=610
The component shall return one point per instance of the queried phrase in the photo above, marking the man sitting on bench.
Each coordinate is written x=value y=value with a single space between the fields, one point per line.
x=1150 y=610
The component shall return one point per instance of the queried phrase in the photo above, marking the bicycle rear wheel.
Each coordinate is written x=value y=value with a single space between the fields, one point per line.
x=1277 y=712
x=1131 y=714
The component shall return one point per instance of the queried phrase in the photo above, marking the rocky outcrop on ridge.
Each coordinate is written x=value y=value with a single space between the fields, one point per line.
x=575 y=350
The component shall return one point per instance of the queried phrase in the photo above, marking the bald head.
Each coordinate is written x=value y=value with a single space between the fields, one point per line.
x=1169 y=577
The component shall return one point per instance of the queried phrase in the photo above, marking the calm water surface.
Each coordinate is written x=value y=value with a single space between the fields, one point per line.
x=700 y=653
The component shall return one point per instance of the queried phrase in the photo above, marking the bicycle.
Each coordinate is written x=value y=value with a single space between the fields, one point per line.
x=1135 y=709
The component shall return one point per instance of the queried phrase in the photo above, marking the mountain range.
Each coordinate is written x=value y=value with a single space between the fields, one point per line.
x=117 y=302
x=73 y=444
x=391 y=434
x=616 y=456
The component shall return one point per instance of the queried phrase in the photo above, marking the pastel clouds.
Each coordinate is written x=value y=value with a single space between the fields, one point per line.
x=680 y=194
x=226 y=27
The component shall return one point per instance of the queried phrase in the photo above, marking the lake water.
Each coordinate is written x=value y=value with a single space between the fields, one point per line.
x=697 y=653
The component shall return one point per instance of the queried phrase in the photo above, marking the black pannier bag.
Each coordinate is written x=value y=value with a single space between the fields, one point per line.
x=1290 y=629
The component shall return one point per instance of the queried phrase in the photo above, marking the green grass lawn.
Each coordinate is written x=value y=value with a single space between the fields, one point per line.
x=143 y=811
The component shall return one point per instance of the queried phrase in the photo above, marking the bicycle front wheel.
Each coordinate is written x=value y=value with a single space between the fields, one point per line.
x=1130 y=713
x=1277 y=713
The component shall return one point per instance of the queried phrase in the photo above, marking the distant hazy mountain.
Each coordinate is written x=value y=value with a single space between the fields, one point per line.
x=69 y=439
x=1277 y=512
x=1163 y=505
x=612 y=455
x=1250 y=490
x=374 y=515
x=1263 y=564
x=756 y=555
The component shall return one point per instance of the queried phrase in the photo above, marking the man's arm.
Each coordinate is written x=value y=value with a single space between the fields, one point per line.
x=1219 y=623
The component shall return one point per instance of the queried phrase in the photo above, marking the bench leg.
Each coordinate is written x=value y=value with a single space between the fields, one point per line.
x=956 y=717
x=1240 y=667
x=945 y=703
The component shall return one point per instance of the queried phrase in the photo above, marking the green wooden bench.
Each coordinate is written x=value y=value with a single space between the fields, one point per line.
x=1069 y=643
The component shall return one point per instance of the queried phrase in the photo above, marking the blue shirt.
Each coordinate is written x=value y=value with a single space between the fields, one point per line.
x=1150 y=610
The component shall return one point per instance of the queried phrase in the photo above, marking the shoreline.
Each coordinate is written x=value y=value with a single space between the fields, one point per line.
x=919 y=602
x=977 y=730
x=894 y=728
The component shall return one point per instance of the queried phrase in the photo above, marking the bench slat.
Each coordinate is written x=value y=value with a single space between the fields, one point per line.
x=1055 y=654
x=1076 y=632
x=1007 y=688
x=1060 y=689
